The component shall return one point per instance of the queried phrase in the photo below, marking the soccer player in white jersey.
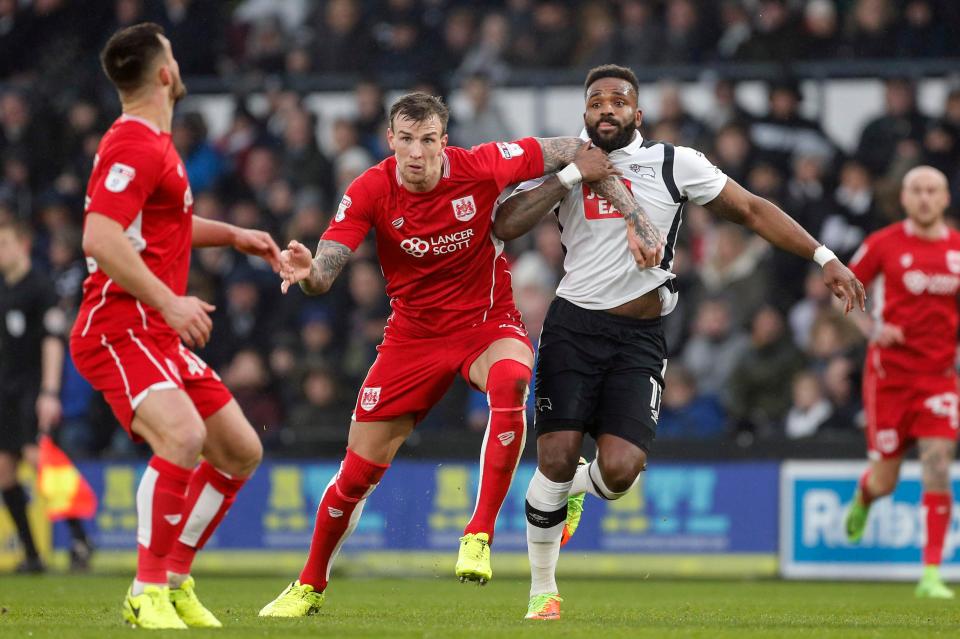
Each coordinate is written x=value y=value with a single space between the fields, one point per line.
x=602 y=351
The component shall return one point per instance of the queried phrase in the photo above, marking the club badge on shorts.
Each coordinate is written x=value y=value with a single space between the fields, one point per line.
x=369 y=397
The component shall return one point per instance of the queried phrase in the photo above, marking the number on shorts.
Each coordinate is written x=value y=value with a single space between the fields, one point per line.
x=944 y=405
x=655 y=394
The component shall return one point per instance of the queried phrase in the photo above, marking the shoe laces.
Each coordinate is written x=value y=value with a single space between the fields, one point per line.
x=477 y=549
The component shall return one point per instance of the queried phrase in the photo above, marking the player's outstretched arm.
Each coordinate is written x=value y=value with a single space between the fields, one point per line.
x=249 y=241
x=314 y=274
x=104 y=240
x=764 y=218
x=522 y=210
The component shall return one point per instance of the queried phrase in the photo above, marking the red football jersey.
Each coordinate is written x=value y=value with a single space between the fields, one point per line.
x=917 y=282
x=138 y=180
x=444 y=268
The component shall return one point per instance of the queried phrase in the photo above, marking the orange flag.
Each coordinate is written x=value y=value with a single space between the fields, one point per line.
x=67 y=493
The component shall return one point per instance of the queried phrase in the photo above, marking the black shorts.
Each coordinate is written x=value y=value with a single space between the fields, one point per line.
x=18 y=418
x=599 y=373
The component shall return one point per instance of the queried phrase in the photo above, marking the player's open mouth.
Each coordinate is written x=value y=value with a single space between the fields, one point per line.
x=415 y=167
x=606 y=127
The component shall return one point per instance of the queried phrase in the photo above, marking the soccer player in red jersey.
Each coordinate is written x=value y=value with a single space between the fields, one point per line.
x=453 y=313
x=139 y=229
x=910 y=380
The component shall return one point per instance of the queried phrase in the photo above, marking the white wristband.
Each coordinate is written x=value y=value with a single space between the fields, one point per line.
x=570 y=176
x=823 y=255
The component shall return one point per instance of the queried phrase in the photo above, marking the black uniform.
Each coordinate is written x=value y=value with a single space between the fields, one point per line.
x=28 y=314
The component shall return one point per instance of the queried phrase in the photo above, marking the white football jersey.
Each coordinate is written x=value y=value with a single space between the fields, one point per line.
x=600 y=272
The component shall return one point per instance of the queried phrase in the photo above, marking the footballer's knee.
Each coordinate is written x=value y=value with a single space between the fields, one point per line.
x=620 y=470
x=558 y=453
x=507 y=383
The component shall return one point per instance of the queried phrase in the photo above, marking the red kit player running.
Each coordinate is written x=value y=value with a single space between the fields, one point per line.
x=138 y=232
x=453 y=313
x=910 y=380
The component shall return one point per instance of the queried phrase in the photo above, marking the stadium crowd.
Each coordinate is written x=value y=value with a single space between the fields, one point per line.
x=757 y=349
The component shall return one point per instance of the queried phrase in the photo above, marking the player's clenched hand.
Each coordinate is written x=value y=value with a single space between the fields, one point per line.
x=188 y=316
x=258 y=243
x=645 y=243
x=295 y=264
x=888 y=335
x=593 y=163
x=844 y=285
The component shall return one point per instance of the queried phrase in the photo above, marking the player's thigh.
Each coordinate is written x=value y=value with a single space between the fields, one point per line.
x=558 y=453
x=232 y=445
x=169 y=422
x=408 y=378
x=378 y=442
x=502 y=348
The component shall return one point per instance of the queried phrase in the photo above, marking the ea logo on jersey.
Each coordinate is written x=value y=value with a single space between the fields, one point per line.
x=464 y=208
x=953 y=261
x=345 y=204
x=415 y=246
x=119 y=177
x=369 y=397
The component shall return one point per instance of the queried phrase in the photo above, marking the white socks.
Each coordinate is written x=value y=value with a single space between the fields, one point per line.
x=546 y=513
x=589 y=480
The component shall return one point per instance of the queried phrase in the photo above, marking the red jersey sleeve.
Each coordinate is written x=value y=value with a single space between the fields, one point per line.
x=126 y=175
x=510 y=162
x=356 y=213
x=866 y=262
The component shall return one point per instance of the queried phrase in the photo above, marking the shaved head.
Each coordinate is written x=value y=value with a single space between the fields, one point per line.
x=925 y=195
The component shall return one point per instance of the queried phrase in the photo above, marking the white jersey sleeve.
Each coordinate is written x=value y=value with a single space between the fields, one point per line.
x=697 y=179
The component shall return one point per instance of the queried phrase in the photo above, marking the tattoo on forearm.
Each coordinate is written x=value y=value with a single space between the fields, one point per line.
x=326 y=266
x=558 y=152
x=614 y=192
x=522 y=211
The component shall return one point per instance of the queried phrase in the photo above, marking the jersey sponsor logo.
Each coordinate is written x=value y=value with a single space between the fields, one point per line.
x=438 y=244
x=16 y=323
x=906 y=260
x=918 y=283
x=953 y=261
x=345 y=203
x=597 y=208
x=887 y=441
x=397 y=223
x=510 y=150
x=119 y=177
x=644 y=171
x=464 y=208
x=415 y=246
x=334 y=512
x=369 y=397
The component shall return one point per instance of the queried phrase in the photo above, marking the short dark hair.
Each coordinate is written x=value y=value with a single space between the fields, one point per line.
x=129 y=54
x=419 y=107
x=612 y=71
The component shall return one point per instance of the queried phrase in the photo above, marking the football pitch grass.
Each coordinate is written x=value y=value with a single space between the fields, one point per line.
x=79 y=607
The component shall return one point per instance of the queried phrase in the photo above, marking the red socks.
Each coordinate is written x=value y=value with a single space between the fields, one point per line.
x=338 y=514
x=938 y=507
x=160 y=499
x=865 y=497
x=507 y=384
x=209 y=496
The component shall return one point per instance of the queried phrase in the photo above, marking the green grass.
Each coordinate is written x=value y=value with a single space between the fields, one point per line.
x=77 y=607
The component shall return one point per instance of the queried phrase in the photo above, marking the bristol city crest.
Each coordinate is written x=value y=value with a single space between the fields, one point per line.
x=953 y=261
x=369 y=397
x=464 y=208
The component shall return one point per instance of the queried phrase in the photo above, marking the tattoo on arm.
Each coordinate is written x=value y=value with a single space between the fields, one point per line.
x=326 y=266
x=614 y=192
x=558 y=152
x=522 y=211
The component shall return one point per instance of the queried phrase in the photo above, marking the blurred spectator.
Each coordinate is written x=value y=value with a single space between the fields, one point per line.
x=854 y=214
x=690 y=131
x=715 y=347
x=194 y=30
x=640 y=35
x=726 y=110
x=322 y=417
x=841 y=381
x=203 y=162
x=870 y=29
x=683 y=36
x=731 y=272
x=735 y=28
x=810 y=409
x=922 y=33
x=458 y=37
x=817 y=299
x=821 y=27
x=899 y=131
x=552 y=39
x=760 y=386
x=247 y=378
x=685 y=414
x=783 y=134
x=488 y=55
x=302 y=162
x=371 y=118
x=342 y=43
x=776 y=35
x=481 y=121
x=598 y=42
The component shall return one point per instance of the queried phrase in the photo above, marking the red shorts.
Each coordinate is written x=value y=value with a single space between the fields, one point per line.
x=410 y=375
x=126 y=366
x=901 y=410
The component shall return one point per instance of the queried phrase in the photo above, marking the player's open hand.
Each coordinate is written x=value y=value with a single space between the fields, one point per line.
x=645 y=243
x=594 y=164
x=295 y=264
x=49 y=412
x=189 y=317
x=888 y=335
x=844 y=285
x=258 y=243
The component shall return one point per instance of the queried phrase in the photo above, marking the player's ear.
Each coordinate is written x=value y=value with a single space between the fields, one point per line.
x=165 y=75
x=444 y=139
x=390 y=139
x=639 y=117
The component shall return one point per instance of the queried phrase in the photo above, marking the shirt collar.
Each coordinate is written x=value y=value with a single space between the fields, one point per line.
x=628 y=150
